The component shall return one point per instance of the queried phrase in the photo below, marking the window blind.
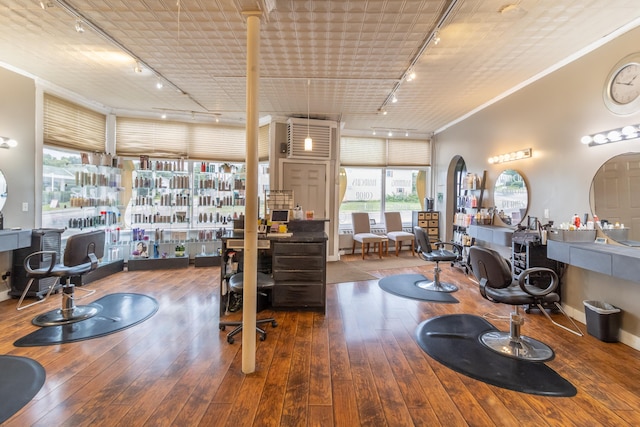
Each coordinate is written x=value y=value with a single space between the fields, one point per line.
x=263 y=143
x=167 y=139
x=358 y=151
x=68 y=125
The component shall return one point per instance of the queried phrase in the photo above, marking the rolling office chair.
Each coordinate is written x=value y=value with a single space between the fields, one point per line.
x=498 y=285
x=81 y=255
x=427 y=253
x=393 y=223
x=363 y=235
x=236 y=284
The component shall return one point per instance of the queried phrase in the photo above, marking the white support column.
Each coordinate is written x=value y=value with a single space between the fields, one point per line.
x=251 y=206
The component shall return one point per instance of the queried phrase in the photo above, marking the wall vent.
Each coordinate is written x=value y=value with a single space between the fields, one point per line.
x=319 y=130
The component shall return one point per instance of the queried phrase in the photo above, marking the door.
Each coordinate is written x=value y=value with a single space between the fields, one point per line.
x=309 y=184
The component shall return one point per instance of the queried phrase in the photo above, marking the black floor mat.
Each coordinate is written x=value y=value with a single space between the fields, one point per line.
x=404 y=285
x=453 y=341
x=21 y=379
x=119 y=311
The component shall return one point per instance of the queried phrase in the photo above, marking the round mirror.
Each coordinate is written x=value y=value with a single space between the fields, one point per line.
x=3 y=190
x=511 y=197
x=614 y=198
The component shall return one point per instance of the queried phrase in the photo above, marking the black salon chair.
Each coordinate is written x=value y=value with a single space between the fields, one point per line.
x=264 y=282
x=81 y=255
x=427 y=253
x=498 y=285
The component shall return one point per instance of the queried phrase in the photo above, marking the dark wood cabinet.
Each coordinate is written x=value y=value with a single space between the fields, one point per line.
x=528 y=254
x=299 y=270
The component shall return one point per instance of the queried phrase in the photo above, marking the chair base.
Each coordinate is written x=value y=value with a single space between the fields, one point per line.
x=522 y=347
x=65 y=317
x=238 y=328
x=436 y=286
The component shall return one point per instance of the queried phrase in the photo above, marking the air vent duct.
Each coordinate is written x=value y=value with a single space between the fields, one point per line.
x=320 y=131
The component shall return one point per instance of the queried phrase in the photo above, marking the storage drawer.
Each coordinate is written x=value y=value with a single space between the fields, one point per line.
x=294 y=294
x=435 y=216
x=298 y=248
x=295 y=262
x=433 y=223
x=298 y=275
x=423 y=223
x=432 y=231
x=421 y=215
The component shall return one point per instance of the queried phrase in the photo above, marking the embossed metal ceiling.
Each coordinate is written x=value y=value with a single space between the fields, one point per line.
x=354 y=52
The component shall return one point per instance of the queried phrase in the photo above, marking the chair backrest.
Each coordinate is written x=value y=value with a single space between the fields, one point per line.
x=360 y=221
x=79 y=246
x=422 y=240
x=393 y=221
x=490 y=267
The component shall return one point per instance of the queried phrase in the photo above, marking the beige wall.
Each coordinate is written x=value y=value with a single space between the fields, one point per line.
x=550 y=116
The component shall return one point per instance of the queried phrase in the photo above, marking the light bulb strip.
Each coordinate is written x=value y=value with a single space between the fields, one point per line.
x=624 y=133
x=509 y=157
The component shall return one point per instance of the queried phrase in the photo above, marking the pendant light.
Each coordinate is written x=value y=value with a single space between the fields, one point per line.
x=308 y=142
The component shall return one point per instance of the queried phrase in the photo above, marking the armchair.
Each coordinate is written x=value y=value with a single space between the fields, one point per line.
x=393 y=224
x=363 y=235
x=498 y=285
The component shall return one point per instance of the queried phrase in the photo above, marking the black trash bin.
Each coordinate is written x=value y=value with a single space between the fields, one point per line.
x=603 y=320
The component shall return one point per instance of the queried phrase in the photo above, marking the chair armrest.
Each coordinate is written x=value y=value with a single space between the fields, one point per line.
x=456 y=248
x=30 y=270
x=522 y=278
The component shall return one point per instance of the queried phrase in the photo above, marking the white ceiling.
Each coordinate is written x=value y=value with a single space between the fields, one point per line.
x=353 y=53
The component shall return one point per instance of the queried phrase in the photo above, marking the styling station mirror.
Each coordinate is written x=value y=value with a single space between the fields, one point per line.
x=615 y=199
x=3 y=190
x=511 y=197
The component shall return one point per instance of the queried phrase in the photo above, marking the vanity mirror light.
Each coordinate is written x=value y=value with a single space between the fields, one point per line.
x=614 y=198
x=3 y=190
x=511 y=197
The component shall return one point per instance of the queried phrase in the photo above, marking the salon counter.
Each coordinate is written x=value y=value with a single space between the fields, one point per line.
x=14 y=239
x=621 y=262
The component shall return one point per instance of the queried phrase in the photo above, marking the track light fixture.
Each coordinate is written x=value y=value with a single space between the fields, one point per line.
x=159 y=84
x=436 y=38
x=79 y=27
x=137 y=68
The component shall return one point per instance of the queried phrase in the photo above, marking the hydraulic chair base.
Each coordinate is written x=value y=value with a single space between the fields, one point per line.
x=522 y=347
x=436 y=285
x=69 y=313
x=238 y=328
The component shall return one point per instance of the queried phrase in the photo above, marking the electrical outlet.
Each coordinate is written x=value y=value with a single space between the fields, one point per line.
x=546 y=214
x=25 y=207
x=5 y=275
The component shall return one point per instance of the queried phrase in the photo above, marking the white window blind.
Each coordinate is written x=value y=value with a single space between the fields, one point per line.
x=357 y=151
x=166 y=139
x=409 y=152
x=263 y=143
x=68 y=125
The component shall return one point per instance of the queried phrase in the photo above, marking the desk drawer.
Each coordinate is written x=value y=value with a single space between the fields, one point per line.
x=295 y=262
x=284 y=248
x=294 y=294
x=298 y=275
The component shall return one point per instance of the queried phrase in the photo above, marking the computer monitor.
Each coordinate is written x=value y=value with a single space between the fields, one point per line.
x=280 y=215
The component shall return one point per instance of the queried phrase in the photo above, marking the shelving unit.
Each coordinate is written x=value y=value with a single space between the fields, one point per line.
x=430 y=221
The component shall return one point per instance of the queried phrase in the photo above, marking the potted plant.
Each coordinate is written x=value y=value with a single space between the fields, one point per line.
x=180 y=249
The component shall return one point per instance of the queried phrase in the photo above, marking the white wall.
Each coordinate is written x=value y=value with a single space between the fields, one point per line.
x=550 y=116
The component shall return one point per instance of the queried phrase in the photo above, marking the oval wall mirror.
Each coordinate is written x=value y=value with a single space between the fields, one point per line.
x=615 y=196
x=511 y=197
x=3 y=190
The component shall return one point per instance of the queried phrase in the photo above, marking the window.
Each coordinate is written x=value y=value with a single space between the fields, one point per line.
x=376 y=190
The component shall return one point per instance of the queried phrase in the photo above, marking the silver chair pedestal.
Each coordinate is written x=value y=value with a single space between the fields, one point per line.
x=69 y=313
x=435 y=284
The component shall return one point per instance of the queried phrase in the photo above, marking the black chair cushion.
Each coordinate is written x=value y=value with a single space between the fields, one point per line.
x=515 y=296
x=264 y=281
x=439 y=255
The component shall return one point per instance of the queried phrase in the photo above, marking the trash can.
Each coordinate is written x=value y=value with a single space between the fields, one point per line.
x=603 y=320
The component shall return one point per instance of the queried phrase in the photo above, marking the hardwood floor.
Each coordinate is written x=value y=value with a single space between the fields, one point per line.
x=358 y=364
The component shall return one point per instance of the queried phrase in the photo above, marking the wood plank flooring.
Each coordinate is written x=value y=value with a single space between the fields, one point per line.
x=357 y=364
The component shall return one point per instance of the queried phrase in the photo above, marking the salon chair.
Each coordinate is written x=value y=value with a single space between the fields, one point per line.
x=498 y=285
x=81 y=255
x=395 y=233
x=427 y=253
x=264 y=282
x=362 y=234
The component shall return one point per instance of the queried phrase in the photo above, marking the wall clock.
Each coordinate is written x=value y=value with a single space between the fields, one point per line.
x=622 y=88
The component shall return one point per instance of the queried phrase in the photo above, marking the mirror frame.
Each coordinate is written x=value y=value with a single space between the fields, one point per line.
x=4 y=192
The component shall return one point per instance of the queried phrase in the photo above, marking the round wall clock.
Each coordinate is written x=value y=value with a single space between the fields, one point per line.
x=622 y=88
